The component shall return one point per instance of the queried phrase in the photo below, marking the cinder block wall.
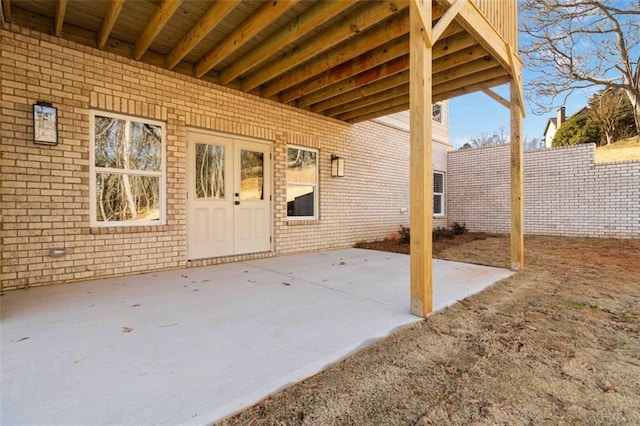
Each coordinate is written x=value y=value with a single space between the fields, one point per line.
x=565 y=192
x=44 y=191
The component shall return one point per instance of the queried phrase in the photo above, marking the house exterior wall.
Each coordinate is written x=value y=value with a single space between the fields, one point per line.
x=44 y=190
x=549 y=133
x=565 y=192
x=440 y=147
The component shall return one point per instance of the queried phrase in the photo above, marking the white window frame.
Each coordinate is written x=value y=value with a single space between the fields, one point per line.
x=94 y=170
x=316 y=205
x=442 y=202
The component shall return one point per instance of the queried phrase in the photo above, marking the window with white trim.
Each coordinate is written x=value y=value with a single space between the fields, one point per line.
x=436 y=112
x=438 y=194
x=127 y=170
x=302 y=183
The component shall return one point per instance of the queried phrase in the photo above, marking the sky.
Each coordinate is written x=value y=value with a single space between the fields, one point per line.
x=472 y=115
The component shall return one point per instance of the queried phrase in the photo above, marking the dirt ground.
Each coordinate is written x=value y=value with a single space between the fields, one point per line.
x=556 y=344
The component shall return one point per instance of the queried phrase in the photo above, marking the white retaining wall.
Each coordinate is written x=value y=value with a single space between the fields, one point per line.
x=565 y=192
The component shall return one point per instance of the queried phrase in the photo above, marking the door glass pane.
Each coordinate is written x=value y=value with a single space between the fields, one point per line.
x=209 y=171
x=251 y=175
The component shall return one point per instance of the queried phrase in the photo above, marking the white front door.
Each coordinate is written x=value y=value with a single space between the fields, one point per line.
x=229 y=196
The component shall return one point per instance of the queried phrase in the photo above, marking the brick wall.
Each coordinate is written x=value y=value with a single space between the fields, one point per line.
x=565 y=192
x=44 y=191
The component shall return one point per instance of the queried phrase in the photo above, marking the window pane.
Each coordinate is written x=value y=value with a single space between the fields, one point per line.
x=300 y=200
x=127 y=198
x=438 y=183
x=125 y=144
x=437 y=204
x=251 y=175
x=436 y=112
x=209 y=171
x=301 y=166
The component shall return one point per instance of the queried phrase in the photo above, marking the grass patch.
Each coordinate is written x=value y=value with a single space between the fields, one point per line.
x=623 y=150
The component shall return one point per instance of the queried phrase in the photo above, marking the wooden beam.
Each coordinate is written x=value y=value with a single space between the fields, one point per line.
x=6 y=10
x=161 y=16
x=375 y=80
x=421 y=178
x=318 y=14
x=371 y=59
x=393 y=28
x=61 y=8
x=363 y=90
x=359 y=107
x=379 y=106
x=493 y=95
x=212 y=17
x=364 y=18
x=111 y=15
x=380 y=113
x=444 y=48
x=446 y=19
x=517 y=80
x=256 y=22
x=476 y=24
x=517 y=186
x=471 y=79
x=472 y=69
x=470 y=88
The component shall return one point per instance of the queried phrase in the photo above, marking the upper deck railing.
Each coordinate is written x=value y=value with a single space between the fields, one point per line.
x=503 y=15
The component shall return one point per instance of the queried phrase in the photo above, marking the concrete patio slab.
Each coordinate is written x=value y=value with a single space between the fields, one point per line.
x=193 y=346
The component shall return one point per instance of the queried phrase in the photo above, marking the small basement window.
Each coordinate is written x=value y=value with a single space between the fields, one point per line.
x=438 y=194
x=302 y=183
x=127 y=170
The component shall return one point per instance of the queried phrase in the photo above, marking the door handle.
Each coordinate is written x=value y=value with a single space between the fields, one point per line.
x=237 y=194
x=237 y=203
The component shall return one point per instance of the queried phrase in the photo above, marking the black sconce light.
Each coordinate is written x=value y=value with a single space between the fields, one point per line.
x=45 y=123
x=337 y=166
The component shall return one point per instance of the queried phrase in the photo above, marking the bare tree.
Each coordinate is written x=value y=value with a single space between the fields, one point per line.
x=491 y=139
x=574 y=45
x=607 y=110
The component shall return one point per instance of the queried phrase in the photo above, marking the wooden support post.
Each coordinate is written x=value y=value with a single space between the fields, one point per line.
x=517 y=186
x=421 y=177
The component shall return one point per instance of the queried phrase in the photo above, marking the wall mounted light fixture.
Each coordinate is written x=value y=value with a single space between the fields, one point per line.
x=45 y=123
x=337 y=166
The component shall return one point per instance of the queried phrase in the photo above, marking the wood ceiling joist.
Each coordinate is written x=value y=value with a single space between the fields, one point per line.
x=364 y=18
x=446 y=48
x=318 y=14
x=61 y=8
x=211 y=18
x=471 y=88
x=390 y=29
x=160 y=17
x=111 y=15
x=373 y=58
x=471 y=80
x=369 y=77
x=471 y=68
x=6 y=10
x=363 y=91
x=369 y=100
x=380 y=113
x=256 y=22
x=377 y=110
x=385 y=104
